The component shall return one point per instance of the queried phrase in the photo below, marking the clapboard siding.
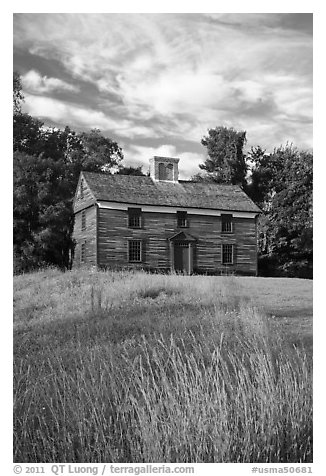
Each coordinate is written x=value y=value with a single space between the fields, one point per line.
x=83 y=198
x=87 y=236
x=157 y=228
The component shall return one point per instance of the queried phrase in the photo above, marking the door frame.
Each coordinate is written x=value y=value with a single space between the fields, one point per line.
x=185 y=238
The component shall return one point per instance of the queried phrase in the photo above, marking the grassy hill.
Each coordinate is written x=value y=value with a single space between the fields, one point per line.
x=132 y=367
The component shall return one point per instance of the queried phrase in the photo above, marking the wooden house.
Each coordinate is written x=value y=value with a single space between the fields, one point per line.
x=161 y=223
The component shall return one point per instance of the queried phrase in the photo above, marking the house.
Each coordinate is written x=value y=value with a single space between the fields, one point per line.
x=162 y=223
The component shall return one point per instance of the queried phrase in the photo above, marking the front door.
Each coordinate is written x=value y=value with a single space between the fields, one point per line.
x=182 y=257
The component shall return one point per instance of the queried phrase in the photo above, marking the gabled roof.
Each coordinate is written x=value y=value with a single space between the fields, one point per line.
x=145 y=191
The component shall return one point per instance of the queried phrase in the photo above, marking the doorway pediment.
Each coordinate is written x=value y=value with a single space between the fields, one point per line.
x=182 y=236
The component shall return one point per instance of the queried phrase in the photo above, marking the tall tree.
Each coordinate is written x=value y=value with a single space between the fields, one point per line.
x=226 y=161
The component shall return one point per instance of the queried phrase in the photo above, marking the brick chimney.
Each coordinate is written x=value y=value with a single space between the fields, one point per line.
x=164 y=168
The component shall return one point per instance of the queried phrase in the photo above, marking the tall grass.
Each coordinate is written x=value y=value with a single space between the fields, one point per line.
x=159 y=369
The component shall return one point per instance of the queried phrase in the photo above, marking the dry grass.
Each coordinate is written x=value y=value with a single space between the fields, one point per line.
x=130 y=367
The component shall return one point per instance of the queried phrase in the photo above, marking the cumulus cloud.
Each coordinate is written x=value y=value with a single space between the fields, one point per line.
x=140 y=155
x=32 y=81
x=65 y=113
x=178 y=74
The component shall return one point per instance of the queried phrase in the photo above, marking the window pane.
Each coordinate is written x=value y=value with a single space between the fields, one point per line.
x=226 y=223
x=135 y=250
x=82 y=188
x=134 y=217
x=227 y=254
x=169 y=172
x=82 y=252
x=182 y=219
x=161 y=172
x=134 y=221
x=83 y=220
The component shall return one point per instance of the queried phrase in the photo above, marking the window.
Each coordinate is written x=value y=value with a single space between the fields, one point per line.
x=83 y=220
x=169 y=172
x=227 y=254
x=135 y=250
x=134 y=217
x=182 y=219
x=83 y=252
x=82 y=188
x=165 y=171
x=161 y=172
x=227 y=224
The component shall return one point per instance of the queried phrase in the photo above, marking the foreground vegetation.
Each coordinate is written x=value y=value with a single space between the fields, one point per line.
x=130 y=367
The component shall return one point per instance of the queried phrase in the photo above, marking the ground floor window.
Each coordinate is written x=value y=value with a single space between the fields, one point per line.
x=227 y=254
x=135 y=250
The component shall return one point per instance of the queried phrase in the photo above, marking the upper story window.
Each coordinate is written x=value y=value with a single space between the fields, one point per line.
x=82 y=188
x=227 y=223
x=134 y=217
x=83 y=220
x=182 y=219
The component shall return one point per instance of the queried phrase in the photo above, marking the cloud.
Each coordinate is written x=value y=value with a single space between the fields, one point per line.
x=64 y=113
x=34 y=82
x=176 y=75
x=140 y=155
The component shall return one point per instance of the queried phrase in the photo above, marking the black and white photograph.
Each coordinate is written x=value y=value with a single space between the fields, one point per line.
x=162 y=242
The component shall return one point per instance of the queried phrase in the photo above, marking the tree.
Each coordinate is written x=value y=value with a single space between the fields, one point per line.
x=27 y=134
x=44 y=187
x=258 y=185
x=226 y=161
x=18 y=96
x=282 y=186
x=43 y=219
x=47 y=163
x=131 y=171
x=101 y=154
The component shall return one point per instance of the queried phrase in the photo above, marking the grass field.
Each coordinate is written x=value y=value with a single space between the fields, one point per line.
x=133 y=367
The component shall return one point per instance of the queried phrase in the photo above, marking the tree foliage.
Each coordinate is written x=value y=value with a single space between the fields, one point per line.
x=43 y=219
x=131 y=171
x=282 y=184
x=225 y=162
x=18 y=96
x=47 y=163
